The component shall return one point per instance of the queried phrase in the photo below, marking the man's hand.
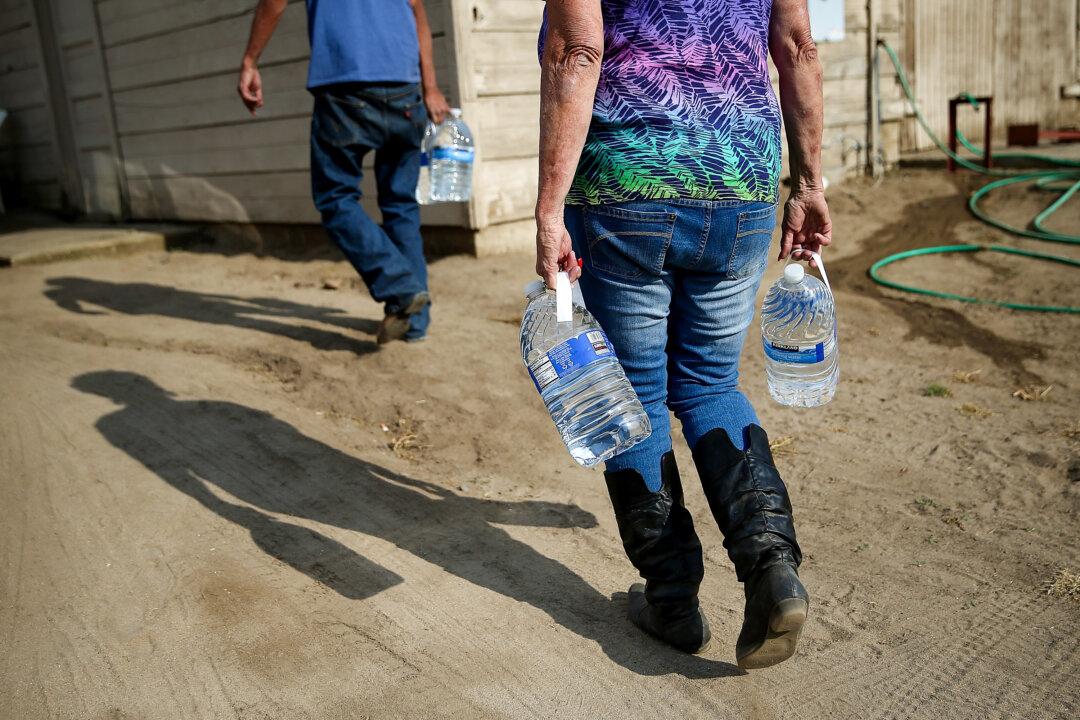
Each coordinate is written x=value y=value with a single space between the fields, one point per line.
x=807 y=227
x=250 y=87
x=437 y=107
x=554 y=251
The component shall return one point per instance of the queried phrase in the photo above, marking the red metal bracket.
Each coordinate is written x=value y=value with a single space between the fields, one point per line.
x=988 y=126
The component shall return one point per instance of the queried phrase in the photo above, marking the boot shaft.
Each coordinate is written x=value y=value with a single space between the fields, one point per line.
x=749 y=501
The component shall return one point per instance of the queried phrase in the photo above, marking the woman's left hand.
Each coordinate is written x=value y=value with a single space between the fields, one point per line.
x=554 y=251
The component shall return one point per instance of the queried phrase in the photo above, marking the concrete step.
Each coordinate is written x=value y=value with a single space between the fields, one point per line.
x=37 y=245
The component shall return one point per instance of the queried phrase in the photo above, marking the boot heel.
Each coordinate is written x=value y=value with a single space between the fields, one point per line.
x=788 y=615
x=785 y=624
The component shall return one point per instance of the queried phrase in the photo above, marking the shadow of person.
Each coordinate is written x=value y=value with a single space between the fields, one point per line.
x=272 y=468
x=262 y=314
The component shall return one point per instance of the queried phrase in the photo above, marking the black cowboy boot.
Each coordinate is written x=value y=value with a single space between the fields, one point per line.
x=751 y=506
x=658 y=536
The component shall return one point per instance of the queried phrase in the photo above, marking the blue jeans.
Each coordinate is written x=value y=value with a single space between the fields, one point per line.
x=349 y=121
x=673 y=284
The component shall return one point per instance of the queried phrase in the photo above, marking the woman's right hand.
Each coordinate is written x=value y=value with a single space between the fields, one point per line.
x=807 y=227
x=554 y=251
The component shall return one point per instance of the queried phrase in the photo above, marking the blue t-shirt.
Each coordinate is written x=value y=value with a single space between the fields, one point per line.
x=362 y=41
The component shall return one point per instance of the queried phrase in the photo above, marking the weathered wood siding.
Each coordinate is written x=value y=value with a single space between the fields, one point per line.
x=28 y=163
x=190 y=149
x=1020 y=52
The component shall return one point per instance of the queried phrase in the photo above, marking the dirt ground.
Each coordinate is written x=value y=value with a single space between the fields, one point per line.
x=220 y=500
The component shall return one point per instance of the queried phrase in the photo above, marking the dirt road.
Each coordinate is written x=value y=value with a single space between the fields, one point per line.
x=219 y=500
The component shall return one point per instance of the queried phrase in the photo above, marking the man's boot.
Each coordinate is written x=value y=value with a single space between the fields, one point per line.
x=658 y=536
x=751 y=506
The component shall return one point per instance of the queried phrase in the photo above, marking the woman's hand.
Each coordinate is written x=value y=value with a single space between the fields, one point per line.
x=554 y=251
x=807 y=227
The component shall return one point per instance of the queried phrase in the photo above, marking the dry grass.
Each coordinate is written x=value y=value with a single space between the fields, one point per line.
x=1034 y=393
x=1072 y=432
x=405 y=441
x=974 y=410
x=783 y=445
x=1064 y=584
x=966 y=377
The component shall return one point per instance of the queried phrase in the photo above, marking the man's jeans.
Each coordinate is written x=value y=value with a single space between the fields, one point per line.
x=349 y=121
x=673 y=284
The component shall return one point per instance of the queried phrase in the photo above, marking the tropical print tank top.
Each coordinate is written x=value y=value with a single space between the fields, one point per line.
x=684 y=107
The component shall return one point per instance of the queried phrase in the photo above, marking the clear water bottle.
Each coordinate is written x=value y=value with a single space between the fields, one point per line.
x=579 y=378
x=423 y=183
x=452 y=155
x=798 y=330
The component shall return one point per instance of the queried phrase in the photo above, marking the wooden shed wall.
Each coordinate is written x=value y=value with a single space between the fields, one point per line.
x=190 y=150
x=28 y=167
x=1020 y=52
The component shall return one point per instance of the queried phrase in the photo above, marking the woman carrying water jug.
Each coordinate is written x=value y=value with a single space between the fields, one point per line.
x=659 y=168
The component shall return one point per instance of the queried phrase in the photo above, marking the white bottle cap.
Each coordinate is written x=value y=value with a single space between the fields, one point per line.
x=455 y=112
x=794 y=273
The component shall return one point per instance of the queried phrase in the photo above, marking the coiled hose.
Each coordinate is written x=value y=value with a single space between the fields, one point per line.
x=1064 y=181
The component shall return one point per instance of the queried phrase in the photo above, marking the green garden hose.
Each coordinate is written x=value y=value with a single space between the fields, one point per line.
x=1066 y=182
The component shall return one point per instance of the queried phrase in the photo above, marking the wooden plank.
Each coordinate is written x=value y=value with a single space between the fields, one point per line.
x=272 y=145
x=18 y=50
x=501 y=15
x=91 y=122
x=14 y=15
x=208 y=101
x=504 y=190
x=276 y=198
x=28 y=127
x=204 y=50
x=21 y=89
x=505 y=63
x=83 y=74
x=507 y=126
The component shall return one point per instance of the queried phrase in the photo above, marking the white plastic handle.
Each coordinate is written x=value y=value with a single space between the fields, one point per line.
x=564 y=298
x=821 y=269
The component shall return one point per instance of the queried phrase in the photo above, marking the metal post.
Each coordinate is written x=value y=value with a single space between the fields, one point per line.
x=872 y=139
x=988 y=129
x=950 y=164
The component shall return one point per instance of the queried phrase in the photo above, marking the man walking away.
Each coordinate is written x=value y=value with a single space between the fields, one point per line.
x=659 y=165
x=373 y=79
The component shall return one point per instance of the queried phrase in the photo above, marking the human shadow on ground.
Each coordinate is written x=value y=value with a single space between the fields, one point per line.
x=272 y=468
x=262 y=314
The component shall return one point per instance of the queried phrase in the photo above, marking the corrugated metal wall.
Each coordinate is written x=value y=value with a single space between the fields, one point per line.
x=1020 y=51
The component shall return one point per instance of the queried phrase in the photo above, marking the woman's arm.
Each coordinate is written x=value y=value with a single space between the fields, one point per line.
x=806 y=215
x=570 y=70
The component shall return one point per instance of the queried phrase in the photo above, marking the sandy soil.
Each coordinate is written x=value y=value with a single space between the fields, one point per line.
x=219 y=500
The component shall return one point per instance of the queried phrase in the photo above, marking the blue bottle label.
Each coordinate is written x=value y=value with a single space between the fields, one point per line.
x=461 y=155
x=804 y=354
x=569 y=356
x=424 y=159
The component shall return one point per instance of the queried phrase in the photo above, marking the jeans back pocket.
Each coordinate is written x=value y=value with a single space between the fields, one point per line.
x=628 y=242
x=753 y=236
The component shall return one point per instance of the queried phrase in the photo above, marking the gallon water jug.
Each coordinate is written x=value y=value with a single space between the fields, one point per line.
x=579 y=378
x=452 y=155
x=798 y=330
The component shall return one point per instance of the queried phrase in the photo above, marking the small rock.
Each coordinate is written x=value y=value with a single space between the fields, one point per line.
x=331 y=283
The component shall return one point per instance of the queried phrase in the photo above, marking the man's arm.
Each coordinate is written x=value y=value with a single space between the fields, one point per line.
x=570 y=71
x=267 y=15
x=807 y=226
x=434 y=100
